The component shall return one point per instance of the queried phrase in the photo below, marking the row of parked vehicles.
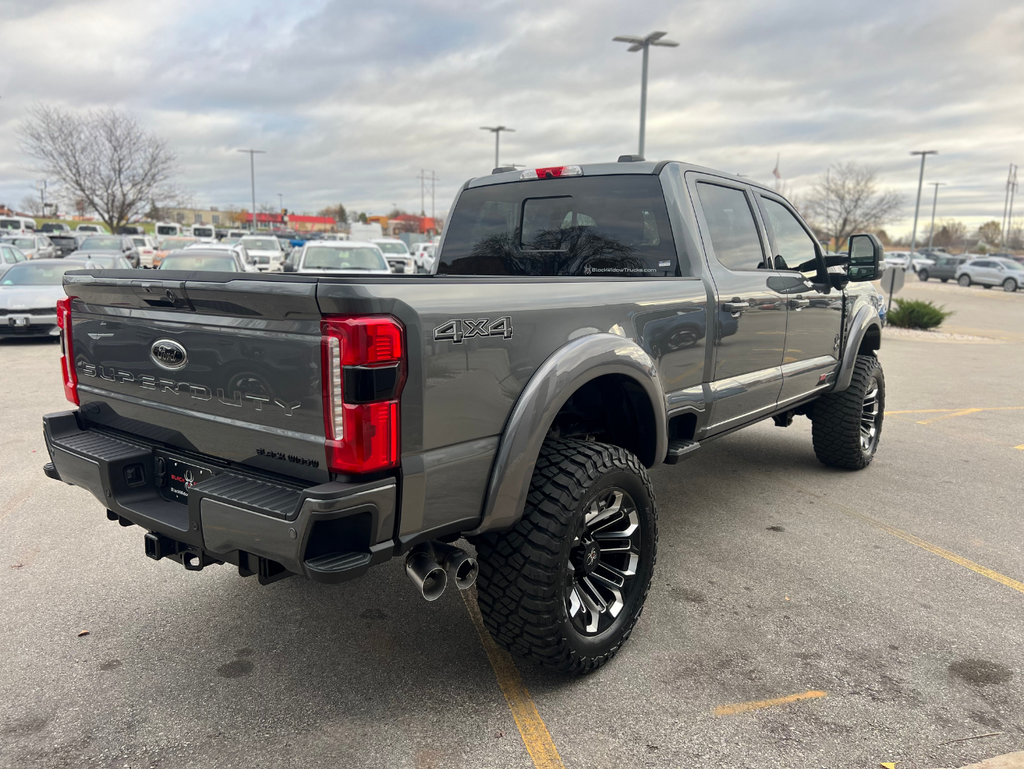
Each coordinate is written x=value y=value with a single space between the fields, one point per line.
x=1004 y=269
x=32 y=265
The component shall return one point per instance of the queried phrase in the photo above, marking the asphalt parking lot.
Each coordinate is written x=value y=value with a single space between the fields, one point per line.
x=800 y=616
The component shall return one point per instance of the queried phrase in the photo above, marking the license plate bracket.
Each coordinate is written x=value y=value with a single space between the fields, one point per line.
x=182 y=476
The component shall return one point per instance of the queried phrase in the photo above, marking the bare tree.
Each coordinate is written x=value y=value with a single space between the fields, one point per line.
x=990 y=232
x=337 y=212
x=847 y=200
x=1015 y=234
x=32 y=205
x=950 y=234
x=105 y=158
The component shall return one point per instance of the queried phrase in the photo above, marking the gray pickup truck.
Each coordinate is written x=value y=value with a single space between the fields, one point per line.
x=582 y=324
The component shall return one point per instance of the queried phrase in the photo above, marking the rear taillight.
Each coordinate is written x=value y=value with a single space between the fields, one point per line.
x=363 y=372
x=67 y=352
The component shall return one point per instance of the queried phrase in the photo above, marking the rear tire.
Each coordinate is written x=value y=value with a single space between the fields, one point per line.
x=566 y=585
x=1009 y=285
x=922 y=275
x=965 y=281
x=847 y=426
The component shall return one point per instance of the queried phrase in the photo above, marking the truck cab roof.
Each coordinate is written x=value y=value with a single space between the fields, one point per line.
x=621 y=167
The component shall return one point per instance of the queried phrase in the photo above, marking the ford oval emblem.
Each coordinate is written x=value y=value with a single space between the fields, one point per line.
x=168 y=354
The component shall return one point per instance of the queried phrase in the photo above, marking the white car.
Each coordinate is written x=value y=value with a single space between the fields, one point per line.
x=266 y=252
x=350 y=257
x=146 y=247
x=424 y=256
x=991 y=271
x=206 y=233
x=235 y=248
x=96 y=228
x=397 y=253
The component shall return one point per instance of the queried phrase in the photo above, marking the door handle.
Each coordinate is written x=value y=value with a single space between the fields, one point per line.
x=736 y=306
x=799 y=303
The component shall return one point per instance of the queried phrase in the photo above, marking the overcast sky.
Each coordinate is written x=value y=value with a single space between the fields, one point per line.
x=351 y=100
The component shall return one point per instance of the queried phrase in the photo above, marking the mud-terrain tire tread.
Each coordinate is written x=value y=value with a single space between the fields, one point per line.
x=519 y=588
x=836 y=418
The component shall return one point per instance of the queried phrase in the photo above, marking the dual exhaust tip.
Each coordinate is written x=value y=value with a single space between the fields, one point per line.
x=431 y=565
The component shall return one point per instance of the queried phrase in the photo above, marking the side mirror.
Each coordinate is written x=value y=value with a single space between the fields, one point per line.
x=865 y=258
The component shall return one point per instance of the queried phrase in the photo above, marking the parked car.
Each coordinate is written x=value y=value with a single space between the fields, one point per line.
x=944 y=268
x=167 y=230
x=265 y=251
x=100 y=261
x=98 y=229
x=165 y=245
x=51 y=227
x=146 y=247
x=397 y=254
x=9 y=256
x=991 y=271
x=17 y=225
x=110 y=244
x=235 y=249
x=199 y=259
x=131 y=229
x=425 y=256
x=205 y=233
x=29 y=292
x=34 y=246
x=237 y=234
x=65 y=242
x=350 y=257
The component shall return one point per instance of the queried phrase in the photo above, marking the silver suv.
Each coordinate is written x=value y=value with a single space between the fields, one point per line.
x=991 y=271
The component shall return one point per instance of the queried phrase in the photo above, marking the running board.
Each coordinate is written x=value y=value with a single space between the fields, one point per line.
x=678 y=450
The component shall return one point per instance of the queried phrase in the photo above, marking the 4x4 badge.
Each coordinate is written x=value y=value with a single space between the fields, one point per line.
x=459 y=329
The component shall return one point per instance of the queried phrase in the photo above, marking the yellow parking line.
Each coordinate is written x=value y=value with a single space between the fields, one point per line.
x=746 y=707
x=955 y=412
x=949 y=416
x=939 y=551
x=535 y=734
x=1021 y=447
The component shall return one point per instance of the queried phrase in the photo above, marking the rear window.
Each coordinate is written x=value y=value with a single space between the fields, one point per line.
x=201 y=262
x=343 y=258
x=601 y=226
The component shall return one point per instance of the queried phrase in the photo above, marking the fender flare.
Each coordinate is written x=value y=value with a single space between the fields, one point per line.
x=866 y=318
x=562 y=374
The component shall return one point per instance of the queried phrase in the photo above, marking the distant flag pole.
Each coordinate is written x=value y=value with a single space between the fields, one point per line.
x=776 y=174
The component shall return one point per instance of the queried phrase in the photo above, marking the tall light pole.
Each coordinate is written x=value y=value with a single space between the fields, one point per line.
x=935 y=200
x=496 y=130
x=252 y=177
x=1006 y=203
x=1013 y=191
x=920 y=183
x=280 y=202
x=644 y=44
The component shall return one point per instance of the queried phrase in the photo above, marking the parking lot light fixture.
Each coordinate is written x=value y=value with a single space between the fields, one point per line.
x=496 y=130
x=252 y=179
x=644 y=44
x=935 y=200
x=920 y=183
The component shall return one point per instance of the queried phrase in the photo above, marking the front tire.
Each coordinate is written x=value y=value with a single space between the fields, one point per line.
x=565 y=586
x=965 y=281
x=923 y=275
x=1009 y=285
x=847 y=426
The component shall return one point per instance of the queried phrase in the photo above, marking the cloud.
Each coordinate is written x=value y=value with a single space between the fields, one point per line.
x=352 y=100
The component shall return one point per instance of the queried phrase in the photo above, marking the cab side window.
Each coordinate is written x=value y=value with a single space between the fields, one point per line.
x=734 y=237
x=792 y=242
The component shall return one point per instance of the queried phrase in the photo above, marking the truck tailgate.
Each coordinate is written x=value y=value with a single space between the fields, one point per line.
x=250 y=392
